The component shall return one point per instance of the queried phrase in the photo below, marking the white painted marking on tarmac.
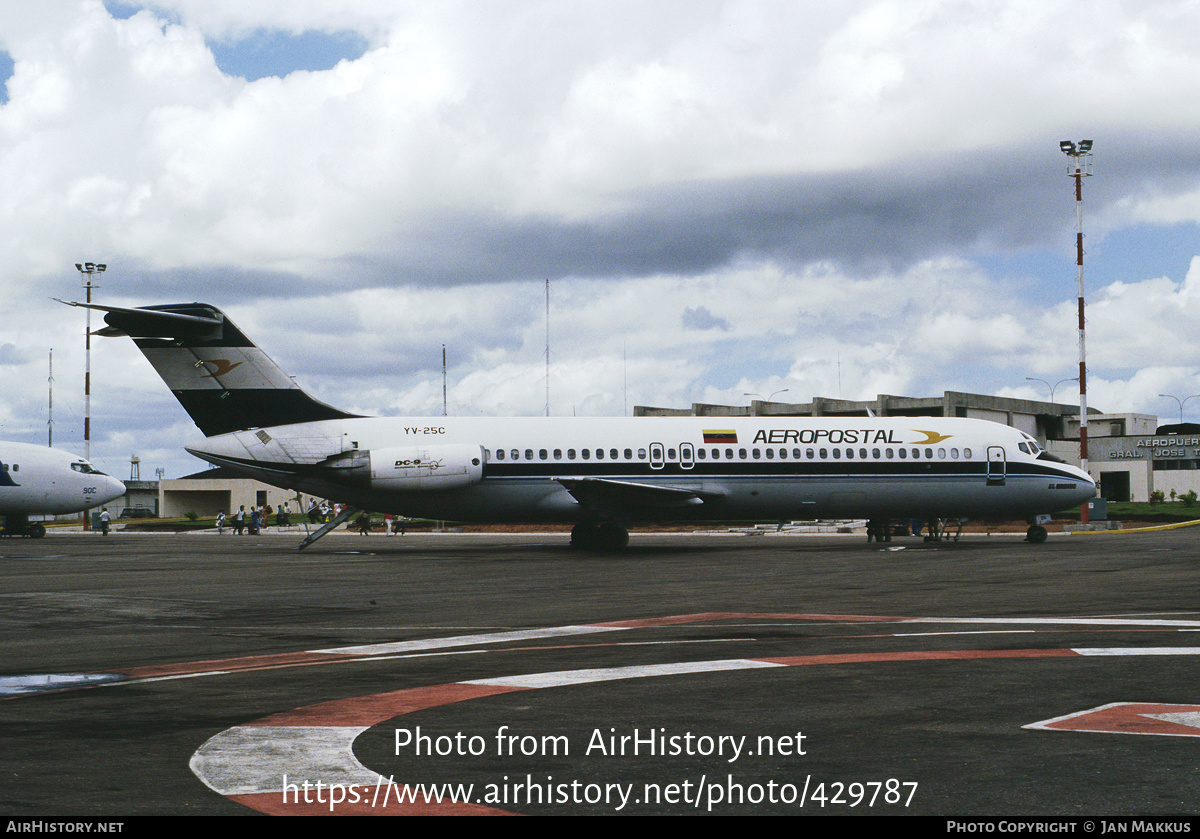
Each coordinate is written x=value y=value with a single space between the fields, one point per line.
x=251 y=759
x=1138 y=651
x=1066 y=621
x=1188 y=718
x=467 y=640
x=39 y=682
x=606 y=674
x=967 y=632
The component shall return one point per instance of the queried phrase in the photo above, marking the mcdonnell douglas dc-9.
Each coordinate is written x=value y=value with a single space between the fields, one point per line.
x=602 y=474
x=36 y=480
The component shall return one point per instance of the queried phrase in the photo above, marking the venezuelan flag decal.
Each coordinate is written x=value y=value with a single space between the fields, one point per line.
x=719 y=436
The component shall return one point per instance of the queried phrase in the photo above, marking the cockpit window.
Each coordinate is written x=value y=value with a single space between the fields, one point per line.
x=86 y=468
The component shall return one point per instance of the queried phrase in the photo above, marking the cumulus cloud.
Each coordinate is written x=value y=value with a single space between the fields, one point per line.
x=728 y=196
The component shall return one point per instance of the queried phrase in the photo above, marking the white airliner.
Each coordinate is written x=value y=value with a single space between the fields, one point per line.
x=601 y=474
x=36 y=480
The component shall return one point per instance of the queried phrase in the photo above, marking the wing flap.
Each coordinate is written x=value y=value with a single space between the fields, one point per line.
x=607 y=496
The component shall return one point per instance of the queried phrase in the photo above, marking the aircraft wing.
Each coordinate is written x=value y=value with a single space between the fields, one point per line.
x=610 y=497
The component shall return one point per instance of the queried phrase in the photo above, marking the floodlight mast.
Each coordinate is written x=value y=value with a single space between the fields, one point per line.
x=90 y=272
x=1079 y=168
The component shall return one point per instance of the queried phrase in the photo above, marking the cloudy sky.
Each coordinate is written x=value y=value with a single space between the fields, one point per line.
x=727 y=196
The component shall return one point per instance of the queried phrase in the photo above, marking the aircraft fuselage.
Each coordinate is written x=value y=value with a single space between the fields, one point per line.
x=686 y=468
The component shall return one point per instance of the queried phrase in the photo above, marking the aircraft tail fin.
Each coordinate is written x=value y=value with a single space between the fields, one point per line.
x=220 y=377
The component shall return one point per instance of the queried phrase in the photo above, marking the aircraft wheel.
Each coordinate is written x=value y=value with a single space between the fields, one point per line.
x=37 y=530
x=602 y=537
x=611 y=537
x=584 y=536
x=1036 y=534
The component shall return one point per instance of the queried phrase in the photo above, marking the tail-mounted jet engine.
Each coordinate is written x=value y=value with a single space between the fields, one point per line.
x=412 y=468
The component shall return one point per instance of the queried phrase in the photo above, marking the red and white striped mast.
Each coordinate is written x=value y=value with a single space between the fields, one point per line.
x=1079 y=168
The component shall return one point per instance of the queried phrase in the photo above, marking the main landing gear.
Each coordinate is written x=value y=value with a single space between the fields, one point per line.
x=22 y=526
x=606 y=536
x=1035 y=534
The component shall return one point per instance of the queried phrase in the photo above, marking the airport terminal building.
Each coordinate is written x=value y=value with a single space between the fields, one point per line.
x=1129 y=455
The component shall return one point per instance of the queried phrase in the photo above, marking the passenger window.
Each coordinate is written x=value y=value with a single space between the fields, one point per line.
x=570 y=454
x=700 y=455
x=599 y=454
x=729 y=454
x=558 y=454
x=516 y=455
x=670 y=454
x=889 y=454
x=499 y=454
x=529 y=454
x=849 y=453
x=824 y=454
x=742 y=454
x=756 y=454
x=641 y=454
x=796 y=454
x=954 y=454
x=966 y=454
x=863 y=453
x=916 y=454
x=612 y=454
x=629 y=454
x=585 y=453
x=903 y=454
x=543 y=454
x=929 y=454
x=810 y=454
x=941 y=454
x=875 y=454
x=837 y=454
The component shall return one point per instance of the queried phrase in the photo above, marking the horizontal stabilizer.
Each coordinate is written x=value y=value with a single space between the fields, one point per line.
x=219 y=376
x=196 y=322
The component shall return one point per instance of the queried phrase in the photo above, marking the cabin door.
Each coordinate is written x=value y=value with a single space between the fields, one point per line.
x=996 y=466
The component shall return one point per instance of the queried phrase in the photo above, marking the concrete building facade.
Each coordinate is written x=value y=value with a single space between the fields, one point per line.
x=1127 y=456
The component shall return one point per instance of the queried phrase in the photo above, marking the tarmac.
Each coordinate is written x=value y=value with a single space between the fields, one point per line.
x=147 y=674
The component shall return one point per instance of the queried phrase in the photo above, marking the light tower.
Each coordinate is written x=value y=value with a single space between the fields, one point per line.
x=1079 y=168
x=90 y=271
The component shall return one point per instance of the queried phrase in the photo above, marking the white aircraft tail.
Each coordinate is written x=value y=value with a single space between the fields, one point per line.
x=220 y=377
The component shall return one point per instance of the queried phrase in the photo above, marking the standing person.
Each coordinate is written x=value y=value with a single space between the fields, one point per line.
x=239 y=520
x=387 y=524
x=104 y=520
x=364 y=523
x=220 y=521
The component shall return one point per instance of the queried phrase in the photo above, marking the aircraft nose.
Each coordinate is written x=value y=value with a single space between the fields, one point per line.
x=115 y=489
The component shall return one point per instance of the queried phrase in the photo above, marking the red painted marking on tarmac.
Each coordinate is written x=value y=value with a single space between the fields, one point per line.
x=272 y=804
x=379 y=707
x=707 y=617
x=916 y=655
x=1126 y=718
x=251 y=662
